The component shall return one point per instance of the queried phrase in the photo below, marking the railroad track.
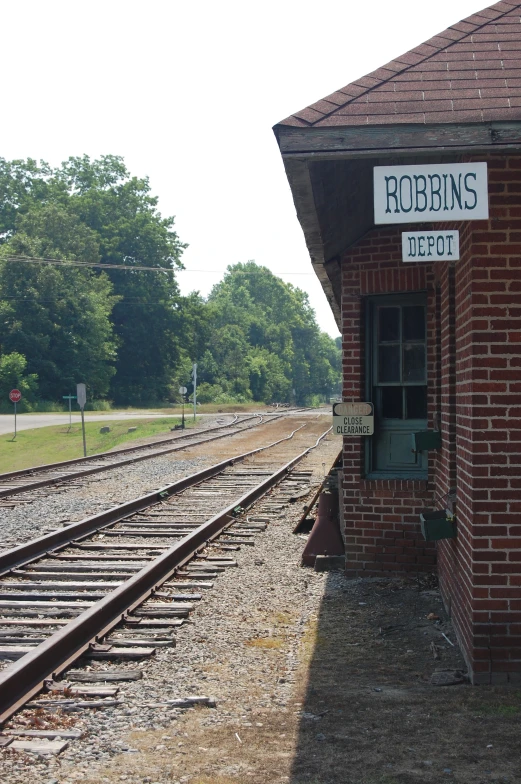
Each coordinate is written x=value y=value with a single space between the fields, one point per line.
x=115 y=585
x=31 y=479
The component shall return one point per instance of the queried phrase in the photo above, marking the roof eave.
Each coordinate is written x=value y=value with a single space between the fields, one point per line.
x=367 y=140
x=303 y=147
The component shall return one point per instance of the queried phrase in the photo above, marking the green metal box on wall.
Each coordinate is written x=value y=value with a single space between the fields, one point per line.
x=437 y=524
x=426 y=439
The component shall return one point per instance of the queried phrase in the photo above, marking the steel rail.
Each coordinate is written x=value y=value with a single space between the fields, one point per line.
x=49 y=543
x=26 y=677
x=100 y=455
x=119 y=463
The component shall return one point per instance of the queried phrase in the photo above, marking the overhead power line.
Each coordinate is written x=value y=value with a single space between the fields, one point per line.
x=105 y=266
x=75 y=263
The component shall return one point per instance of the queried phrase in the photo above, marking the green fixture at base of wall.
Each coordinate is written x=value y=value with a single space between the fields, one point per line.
x=426 y=439
x=437 y=524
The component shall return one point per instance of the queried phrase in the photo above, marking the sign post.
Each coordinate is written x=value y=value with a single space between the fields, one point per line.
x=15 y=396
x=194 y=376
x=70 y=398
x=353 y=419
x=81 y=395
x=182 y=392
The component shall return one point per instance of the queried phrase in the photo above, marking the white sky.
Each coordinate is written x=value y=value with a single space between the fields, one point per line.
x=187 y=93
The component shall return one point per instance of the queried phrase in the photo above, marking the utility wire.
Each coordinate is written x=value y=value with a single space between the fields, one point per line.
x=74 y=263
x=106 y=266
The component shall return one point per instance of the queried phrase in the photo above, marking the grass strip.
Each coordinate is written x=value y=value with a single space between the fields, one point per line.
x=58 y=442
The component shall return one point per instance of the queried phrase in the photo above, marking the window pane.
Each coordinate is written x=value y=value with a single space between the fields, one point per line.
x=389 y=324
x=389 y=364
x=413 y=362
x=392 y=398
x=414 y=322
x=416 y=402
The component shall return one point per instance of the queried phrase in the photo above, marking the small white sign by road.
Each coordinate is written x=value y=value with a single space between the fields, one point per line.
x=430 y=245
x=81 y=395
x=353 y=419
x=430 y=192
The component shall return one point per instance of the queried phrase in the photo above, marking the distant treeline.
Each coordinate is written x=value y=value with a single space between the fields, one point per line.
x=127 y=333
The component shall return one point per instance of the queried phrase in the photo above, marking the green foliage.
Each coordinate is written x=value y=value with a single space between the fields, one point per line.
x=266 y=342
x=58 y=317
x=14 y=375
x=128 y=333
x=131 y=231
x=116 y=330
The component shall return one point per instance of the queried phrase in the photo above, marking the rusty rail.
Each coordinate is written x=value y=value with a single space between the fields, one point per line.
x=116 y=464
x=25 y=678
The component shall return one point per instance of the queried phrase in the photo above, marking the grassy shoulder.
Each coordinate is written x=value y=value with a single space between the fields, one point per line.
x=204 y=408
x=52 y=444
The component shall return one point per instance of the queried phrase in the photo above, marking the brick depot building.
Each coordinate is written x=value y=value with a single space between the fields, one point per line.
x=434 y=345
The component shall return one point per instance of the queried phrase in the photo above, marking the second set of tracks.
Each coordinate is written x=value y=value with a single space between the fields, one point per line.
x=15 y=483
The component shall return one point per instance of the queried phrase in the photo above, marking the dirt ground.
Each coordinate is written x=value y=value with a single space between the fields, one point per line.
x=363 y=709
x=371 y=713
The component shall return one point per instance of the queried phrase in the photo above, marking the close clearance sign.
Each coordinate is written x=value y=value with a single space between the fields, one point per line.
x=353 y=419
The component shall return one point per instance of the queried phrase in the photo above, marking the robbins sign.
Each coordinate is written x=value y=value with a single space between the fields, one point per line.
x=353 y=419
x=430 y=245
x=430 y=192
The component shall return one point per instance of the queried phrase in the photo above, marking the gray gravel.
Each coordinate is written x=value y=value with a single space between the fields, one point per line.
x=41 y=511
x=46 y=510
x=268 y=595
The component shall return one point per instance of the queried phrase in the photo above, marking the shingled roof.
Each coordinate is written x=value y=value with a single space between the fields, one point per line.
x=470 y=73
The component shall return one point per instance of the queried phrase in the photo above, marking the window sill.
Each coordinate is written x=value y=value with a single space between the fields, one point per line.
x=407 y=475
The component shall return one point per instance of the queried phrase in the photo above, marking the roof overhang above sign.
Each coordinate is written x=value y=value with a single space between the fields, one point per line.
x=330 y=172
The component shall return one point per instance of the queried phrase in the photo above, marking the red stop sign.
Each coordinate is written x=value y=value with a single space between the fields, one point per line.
x=15 y=396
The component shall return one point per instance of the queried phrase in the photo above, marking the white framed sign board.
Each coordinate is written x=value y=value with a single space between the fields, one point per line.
x=430 y=245
x=353 y=419
x=430 y=192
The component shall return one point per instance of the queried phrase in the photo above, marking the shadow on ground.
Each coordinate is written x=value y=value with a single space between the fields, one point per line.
x=369 y=712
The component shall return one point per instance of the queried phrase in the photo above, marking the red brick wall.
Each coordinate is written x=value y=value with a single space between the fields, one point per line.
x=455 y=555
x=474 y=366
x=381 y=516
x=481 y=572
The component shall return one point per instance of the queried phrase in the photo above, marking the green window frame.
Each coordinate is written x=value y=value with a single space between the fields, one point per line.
x=396 y=373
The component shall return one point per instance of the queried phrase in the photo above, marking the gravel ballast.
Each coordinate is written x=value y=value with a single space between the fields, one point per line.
x=240 y=647
x=43 y=510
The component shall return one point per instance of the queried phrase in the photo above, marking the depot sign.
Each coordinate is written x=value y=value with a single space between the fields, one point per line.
x=430 y=245
x=430 y=192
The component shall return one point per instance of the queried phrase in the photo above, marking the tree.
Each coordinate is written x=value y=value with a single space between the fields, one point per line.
x=57 y=317
x=131 y=231
x=286 y=348
x=131 y=318
x=14 y=375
